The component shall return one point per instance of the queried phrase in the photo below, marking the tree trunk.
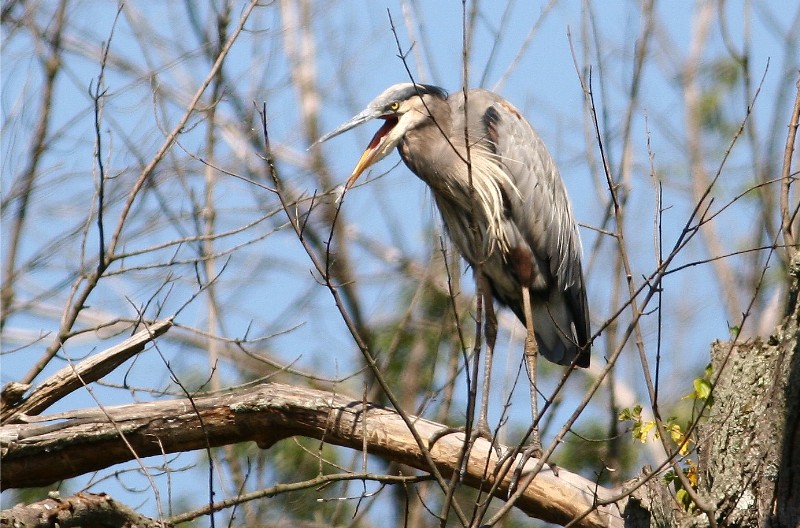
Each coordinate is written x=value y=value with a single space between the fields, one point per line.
x=750 y=459
x=749 y=464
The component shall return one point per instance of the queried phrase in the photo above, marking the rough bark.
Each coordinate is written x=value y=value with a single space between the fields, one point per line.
x=750 y=459
x=83 y=509
x=650 y=505
x=749 y=445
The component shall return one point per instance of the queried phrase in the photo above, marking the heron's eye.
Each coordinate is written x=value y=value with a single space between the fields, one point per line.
x=394 y=106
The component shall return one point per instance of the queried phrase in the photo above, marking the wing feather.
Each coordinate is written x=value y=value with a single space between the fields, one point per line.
x=539 y=217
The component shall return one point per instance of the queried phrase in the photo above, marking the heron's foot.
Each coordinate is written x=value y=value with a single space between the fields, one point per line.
x=481 y=430
x=532 y=451
x=441 y=433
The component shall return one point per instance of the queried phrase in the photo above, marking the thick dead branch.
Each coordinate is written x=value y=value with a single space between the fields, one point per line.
x=72 y=377
x=35 y=454
x=83 y=509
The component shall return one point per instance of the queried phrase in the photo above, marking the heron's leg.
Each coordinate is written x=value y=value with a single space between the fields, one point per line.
x=531 y=356
x=490 y=331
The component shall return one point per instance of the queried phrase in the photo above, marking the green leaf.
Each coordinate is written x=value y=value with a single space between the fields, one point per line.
x=642 y=429
x=702 y=388
x=633 y=414
x=683 y=498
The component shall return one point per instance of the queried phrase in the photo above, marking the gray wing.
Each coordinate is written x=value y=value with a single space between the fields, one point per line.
x=539 y=217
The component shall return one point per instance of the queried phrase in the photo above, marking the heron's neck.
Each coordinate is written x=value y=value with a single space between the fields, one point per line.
x=467 y=186
x=427 y=149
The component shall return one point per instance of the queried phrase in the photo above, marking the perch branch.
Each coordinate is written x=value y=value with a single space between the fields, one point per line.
x=35 y=454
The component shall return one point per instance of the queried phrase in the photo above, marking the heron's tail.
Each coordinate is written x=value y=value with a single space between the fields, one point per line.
x=557 y=334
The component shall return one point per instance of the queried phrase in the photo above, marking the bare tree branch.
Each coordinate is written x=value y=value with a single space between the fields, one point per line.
x=82 y=288
x=788 y=217
x=82 y=441
x=83 y=509
x=52 y=65
x=72 y=377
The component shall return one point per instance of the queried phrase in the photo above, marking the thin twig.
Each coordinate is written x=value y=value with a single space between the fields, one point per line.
x=787 y=220
x=83 y=287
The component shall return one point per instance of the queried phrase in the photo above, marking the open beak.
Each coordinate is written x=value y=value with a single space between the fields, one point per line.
x=364 y=116
x=375 y=150
x=379 y=146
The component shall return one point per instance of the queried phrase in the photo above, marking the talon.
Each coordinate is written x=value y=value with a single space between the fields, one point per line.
x=483 y=431
x=438 y=435
x=532 y=451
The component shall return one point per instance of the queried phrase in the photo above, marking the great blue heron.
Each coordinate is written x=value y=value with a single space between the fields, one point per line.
x=503 y=204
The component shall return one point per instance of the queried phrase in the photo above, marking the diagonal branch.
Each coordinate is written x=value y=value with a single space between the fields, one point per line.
x=72 y=377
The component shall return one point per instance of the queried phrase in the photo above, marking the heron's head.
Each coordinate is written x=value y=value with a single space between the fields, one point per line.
x=402 y=108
